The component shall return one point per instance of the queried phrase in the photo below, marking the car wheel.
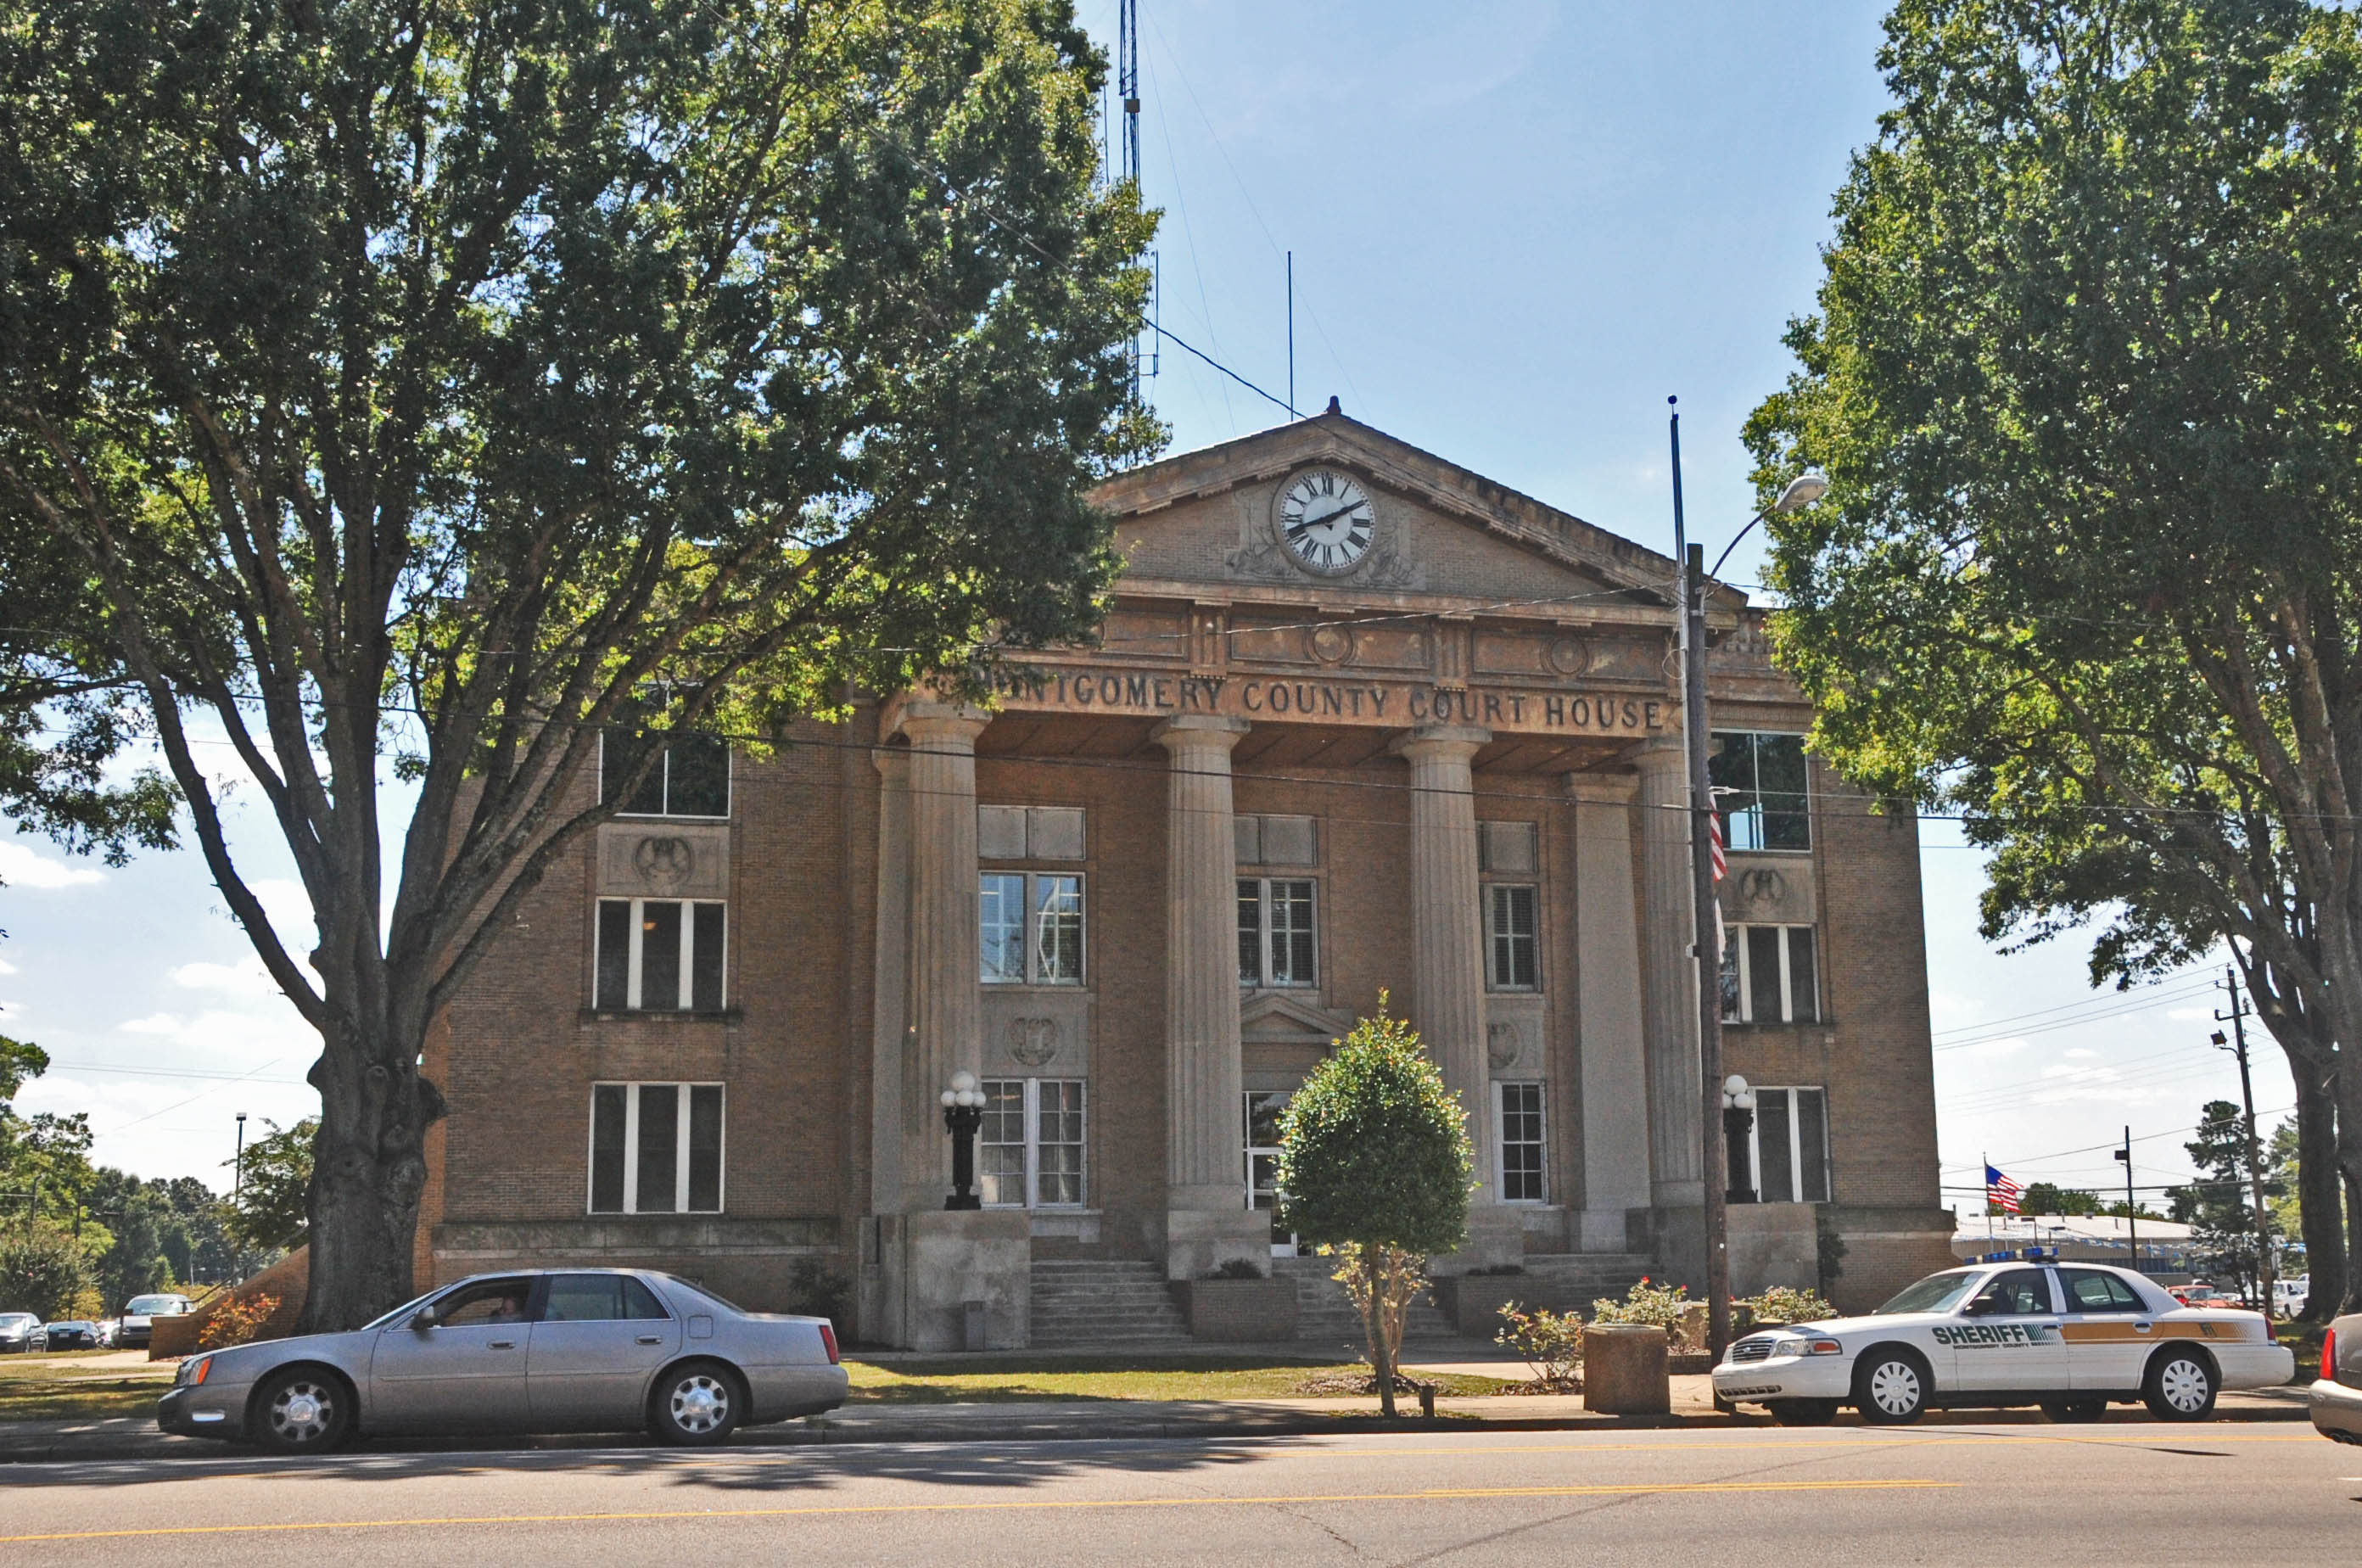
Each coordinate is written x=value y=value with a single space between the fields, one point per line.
x=2179 y=1387
x=2075 y=1409
x=696 y=1406
x=301 y=1410
x=1803 y=1412
x=1890 y=1389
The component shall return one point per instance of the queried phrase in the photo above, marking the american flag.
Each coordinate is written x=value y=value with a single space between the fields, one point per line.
x=1999 y=1191
x=1714 y=840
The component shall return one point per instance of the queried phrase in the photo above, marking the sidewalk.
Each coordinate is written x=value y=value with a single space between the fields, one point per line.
x=129 y=1438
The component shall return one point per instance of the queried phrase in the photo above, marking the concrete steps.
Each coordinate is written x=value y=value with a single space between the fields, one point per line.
x=1103 y=1301
x=1325 y=1314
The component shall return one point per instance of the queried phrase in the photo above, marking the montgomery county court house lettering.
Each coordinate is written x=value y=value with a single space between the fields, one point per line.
x=1359 y=721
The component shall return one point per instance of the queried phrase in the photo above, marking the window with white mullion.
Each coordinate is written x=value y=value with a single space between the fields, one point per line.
x=656 y=1148
x=1030 y=927
x=660 y=955
x=1278 y=933
x=1031 y=1144
x=1770 y=974
x=1787 y=1144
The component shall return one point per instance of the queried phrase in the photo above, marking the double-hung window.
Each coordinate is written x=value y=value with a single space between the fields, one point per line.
x=1520 y=1151
x=1760 y=789
x=1768 y=974
x=1790 y=1145
x=660 y=955
x=690 y=780
x=1510 y=946
x=1278 y=944
x=1031 y=1145
x=656 y=1149
x=1030 y=923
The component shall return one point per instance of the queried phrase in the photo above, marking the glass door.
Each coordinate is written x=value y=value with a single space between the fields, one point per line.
x=1263 y=1112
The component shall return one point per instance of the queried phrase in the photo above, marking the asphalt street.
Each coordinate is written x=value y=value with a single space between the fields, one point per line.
x=2247 y=1493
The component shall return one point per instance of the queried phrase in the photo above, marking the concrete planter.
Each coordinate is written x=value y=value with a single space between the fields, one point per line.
x=1624 y=1369
x=1473 y=1301
x=1238 y=1311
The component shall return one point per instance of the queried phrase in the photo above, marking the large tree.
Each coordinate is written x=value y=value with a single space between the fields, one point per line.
x=426 y=387
x=2084 y=377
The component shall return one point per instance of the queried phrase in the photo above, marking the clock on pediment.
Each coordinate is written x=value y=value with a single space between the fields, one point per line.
x=1325 y=522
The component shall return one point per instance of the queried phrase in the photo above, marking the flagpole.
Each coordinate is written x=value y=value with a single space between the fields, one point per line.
x=1986 y=1161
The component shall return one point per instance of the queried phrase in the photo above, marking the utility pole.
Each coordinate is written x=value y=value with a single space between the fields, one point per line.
x=2237 y=1018
x=1691 y=590
x=2132 y=1209
x=237 y=1165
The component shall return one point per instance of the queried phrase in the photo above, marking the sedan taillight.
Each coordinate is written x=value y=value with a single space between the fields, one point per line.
x=828 y=1341
x=2329 y=1356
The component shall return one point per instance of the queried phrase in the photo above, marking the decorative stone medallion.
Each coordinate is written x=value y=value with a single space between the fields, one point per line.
x=1331 y=642
x=1568 y=655
x=1504 y=1044
x=1033 y=1040
x=664 y=862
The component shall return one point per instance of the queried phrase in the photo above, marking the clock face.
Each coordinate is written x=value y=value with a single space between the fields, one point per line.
x=1326 y=521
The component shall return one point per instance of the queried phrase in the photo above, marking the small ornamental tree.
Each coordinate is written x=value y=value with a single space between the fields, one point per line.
x=1374 y=1167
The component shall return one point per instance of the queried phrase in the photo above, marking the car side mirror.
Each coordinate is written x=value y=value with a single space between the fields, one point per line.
x=426 y=1319
x=1982 y=1306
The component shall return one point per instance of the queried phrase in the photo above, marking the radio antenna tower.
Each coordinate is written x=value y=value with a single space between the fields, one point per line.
x=1127 y=87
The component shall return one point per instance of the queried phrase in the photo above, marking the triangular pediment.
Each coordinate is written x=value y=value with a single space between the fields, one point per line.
x=1438 y=486
x=1276 y=1016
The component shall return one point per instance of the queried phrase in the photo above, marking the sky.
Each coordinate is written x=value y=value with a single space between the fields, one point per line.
x=1517 y=227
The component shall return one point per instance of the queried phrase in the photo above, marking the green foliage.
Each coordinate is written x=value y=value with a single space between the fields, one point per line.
x=1785 y=1304
x=270 y=1213
x=817 y=1291
x=1374 y=1148
x=2048 y=1198
x=2219 y=1207
x=42 y=1271
x=2082 y=376
x=236 y=1321
x=422 y=394
x=1551 y=1342
x=1666 y=1306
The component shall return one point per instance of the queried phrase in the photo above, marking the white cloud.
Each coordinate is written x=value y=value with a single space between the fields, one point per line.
x=20 y=867
x=228 y=1039
x=246 y=979
x=7 y=967
x=2188 y=1014
x=288 y=909
x=2079 y=1052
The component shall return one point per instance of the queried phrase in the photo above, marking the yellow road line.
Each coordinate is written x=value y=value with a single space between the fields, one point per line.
x=1440 y=1494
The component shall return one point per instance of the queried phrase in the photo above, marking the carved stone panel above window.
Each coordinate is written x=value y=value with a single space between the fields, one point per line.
x=664 y=860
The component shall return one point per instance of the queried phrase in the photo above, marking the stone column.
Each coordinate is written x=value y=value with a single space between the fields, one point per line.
x=1207 y=1221
x=1607 y=959
x=1669 y=1010
x=1448 y=957
x=947 y=1004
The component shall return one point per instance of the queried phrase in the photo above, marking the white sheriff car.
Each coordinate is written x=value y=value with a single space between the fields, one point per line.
x=2012 y=1330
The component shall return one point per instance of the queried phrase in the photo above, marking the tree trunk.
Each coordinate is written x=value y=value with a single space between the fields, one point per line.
x=2352 y=1300
x=369 y=1169
x=1382 y=1356
x=2320 y=1194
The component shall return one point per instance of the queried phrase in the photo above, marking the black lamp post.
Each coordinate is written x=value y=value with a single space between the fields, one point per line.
x=1738 y=1120
x=963 y=1115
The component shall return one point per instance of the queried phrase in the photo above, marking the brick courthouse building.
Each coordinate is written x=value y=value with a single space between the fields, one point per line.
x=1360 y=721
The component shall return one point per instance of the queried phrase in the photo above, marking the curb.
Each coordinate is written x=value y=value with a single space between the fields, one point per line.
x=130 y=1444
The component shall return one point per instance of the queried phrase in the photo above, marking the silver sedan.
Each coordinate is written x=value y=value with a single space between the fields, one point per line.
x=545 y=1350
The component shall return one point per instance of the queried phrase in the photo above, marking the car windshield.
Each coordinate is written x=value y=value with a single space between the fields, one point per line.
x=154 y=1305
x=1936 y=1293
x=401 y=1311
x=17 y=1320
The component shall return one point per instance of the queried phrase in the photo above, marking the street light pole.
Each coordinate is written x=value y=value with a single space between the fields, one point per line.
x=237 y=1164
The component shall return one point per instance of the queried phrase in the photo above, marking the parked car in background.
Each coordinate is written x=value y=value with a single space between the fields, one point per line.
x=108 y=1328
x=2290 y=1295
x=139 y=1313
x=2336 y=1397
x=540 y=1350
x=21 y=1333
x=72 y=1333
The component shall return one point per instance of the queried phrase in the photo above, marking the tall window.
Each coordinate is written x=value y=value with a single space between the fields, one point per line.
x=1263 y=1109
x=1276 y=945
x=1031 y=1145
x=690 y=780
x=1758 y=784
x=660 y=955
x=656 y=1149
x=1510 y=963
x=1031 y=925
x=1790 y=1145
x=1768 y=974
x=1521 y=1143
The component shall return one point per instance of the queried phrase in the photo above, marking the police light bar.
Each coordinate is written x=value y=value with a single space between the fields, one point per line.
x=2034 y=1255
x=1996 y=1257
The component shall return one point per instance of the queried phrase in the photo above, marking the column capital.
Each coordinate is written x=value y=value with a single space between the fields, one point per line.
x=926 y=721
x=1441 y=743
x=1199 y=732
x=1603 y=788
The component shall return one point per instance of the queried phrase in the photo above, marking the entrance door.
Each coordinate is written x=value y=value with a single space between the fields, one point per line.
x=465 y=1374
x=1263 y=1112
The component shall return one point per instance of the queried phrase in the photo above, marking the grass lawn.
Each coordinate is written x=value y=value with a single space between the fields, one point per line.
x=67 y=1386
x=953 y=1379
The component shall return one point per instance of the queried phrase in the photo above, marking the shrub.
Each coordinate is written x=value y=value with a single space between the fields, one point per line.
x=236 y=1321
x=1550 y=1342
x=1374 y=1163
x=1783 y=1304
x=43 y=1272
x=1666 y=1306
x=1238 y=1268
x=816 y=1291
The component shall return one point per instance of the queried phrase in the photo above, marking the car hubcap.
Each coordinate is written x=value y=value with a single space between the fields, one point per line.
x=1895 y=1387
x=300 y=1413
x=700 y=1404
x=2184 y=1386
